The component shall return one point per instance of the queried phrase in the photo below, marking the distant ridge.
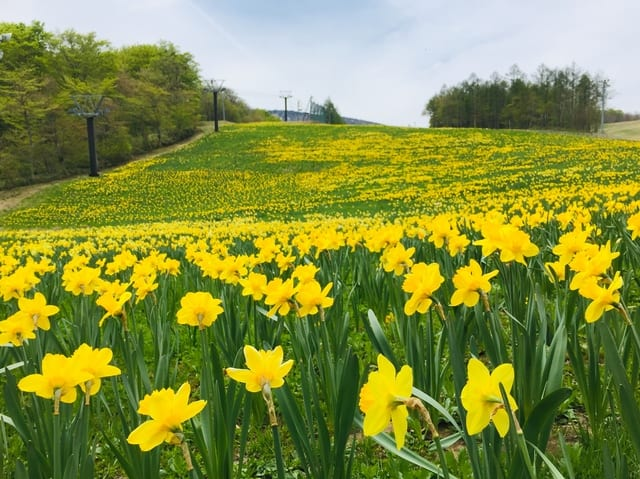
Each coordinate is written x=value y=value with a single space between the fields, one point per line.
x=304 y=116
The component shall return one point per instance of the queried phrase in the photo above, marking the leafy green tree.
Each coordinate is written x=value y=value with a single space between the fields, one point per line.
x=331 y=114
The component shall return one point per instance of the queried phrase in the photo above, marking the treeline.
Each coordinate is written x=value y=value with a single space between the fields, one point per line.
x=614 y=116
x=567 y=99
x=151 y=95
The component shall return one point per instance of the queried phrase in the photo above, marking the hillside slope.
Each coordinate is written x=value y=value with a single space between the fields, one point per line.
x=286 y=171
x=629 y=130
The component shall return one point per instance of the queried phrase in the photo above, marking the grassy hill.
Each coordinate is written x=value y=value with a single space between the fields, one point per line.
x=629 y=130
x=276 y=171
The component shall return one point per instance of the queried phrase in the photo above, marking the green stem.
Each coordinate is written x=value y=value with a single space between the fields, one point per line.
x=57 y=466
x=278 y=451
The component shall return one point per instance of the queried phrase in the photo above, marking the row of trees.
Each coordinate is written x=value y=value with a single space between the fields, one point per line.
x=152 y=96
x=568 y=99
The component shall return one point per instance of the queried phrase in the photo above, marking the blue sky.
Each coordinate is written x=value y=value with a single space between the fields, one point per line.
x=378 y=60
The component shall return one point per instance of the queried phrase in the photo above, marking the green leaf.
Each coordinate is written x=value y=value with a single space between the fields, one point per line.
x=378 y=338
x=437 y=406
x=555 y=473
x=407 y=454
x=628 y=404
x=536 y=429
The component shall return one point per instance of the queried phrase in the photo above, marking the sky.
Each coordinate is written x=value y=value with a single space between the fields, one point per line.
x=377 y=60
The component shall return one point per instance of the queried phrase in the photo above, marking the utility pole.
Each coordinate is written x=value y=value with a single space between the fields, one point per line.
x=286 y=95
x=214 y=86
x=89 y=106
x=4 y=37
x=605 y=84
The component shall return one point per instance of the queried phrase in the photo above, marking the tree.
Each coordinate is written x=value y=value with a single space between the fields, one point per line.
x=562 y=99
x=331 y=114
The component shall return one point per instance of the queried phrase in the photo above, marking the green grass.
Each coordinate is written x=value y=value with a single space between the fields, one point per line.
x=629 y=130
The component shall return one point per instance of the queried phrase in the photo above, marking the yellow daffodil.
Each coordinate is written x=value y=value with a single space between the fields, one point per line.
x=168 y=410
x=279 y=295
x=422 y=282
x=16 y=329
x=397 y=258
x=311 y=296
x=571 y=243
x=441 y=231
x=18 y=283
x=265 y=369
x=515 y=245
x=305 y=273
x=113 y=302
x=199 y=309
x=58 y=381
x=383 y=397
x=604 y=299
x=470 y=283
x=593 y=263
x=457 y=244
x=254 y=285
x=482 y=399
x=633 y=225
x=38 y=310
x=96 y=363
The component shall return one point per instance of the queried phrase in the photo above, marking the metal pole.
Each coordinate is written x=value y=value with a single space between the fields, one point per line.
x=285 y=108
x=215 y=110
x=604 y=95
x=93 y=160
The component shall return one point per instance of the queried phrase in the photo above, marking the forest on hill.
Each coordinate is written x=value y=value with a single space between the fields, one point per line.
x=145 y=96
x=560 y=99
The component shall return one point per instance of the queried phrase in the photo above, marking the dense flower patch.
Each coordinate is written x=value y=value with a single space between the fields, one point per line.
x=468 y=325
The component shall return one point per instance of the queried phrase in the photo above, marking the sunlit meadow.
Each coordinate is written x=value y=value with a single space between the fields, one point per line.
x=329 y=301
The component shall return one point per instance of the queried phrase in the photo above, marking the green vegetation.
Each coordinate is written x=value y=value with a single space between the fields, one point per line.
x=335 y=247
x=629 y=130
x=147 y=96
x=567 y=99
x=288 y=171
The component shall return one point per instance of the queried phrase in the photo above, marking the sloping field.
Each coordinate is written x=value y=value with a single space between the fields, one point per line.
x=329 y=302
x=293 y=171
x=629 y=130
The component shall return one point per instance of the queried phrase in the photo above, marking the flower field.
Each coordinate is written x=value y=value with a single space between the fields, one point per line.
x=329 y=302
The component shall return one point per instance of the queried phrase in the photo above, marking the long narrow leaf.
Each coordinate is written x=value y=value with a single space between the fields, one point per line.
x=405 y=453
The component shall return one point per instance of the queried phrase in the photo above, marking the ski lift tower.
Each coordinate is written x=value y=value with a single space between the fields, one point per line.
x=285 y=94
x=214 y=86
x=89 y=106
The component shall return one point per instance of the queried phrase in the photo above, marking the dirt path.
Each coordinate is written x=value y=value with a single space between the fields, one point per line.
x=10 y=199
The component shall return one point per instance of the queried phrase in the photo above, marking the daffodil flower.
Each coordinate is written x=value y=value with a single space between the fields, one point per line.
x=482 y=399
x=278 y=295
x=96 y=363
x=470 y=283
x=38 y=310
x=422 y=281
x=264 y=368
x=199 y=309
x=604 y=299
x=266 y=372
x=383 y=399
x=313 y=298
x=16 y=329
x=168 y=410
x=58 y=380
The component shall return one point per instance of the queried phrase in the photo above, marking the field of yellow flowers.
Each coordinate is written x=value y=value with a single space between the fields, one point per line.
x=329 y=301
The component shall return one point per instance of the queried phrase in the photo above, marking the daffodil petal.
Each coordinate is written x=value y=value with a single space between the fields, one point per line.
x=399 y=422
